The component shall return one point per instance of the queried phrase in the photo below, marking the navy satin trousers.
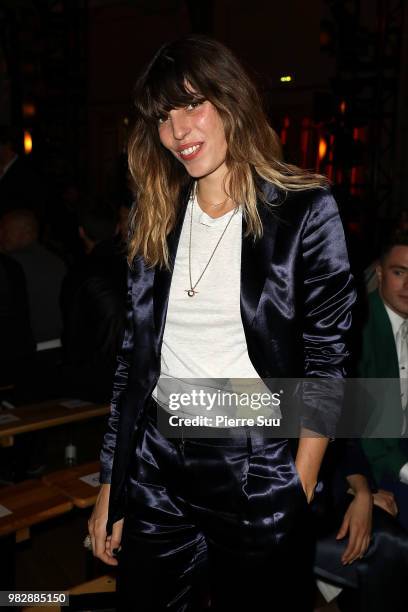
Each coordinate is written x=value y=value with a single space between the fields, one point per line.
x=215 y=523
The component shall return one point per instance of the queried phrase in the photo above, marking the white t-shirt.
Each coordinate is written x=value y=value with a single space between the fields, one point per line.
x=204 y=336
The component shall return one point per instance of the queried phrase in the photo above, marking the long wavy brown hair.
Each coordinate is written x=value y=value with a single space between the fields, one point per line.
x=190 y=70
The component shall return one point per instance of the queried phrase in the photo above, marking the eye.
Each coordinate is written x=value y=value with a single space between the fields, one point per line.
x=193 y=105
x=162 y=119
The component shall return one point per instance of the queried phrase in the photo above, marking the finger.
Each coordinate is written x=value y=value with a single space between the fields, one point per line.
x=354 y=547
x=380 y=503
x=108 y=548
x=377 y=502
x=343 y=529
x=349 y=548
x=354 y=552
x=92 y=536
x=112 y=546
x=346 y=555
x=116 y=536
x=106 y=557
x=113 y=550
x=363 y=545
x=99 y=544
x=366 y=546
x=385 y=507
x=93 y=544
x=100 y=548
x=359 y=551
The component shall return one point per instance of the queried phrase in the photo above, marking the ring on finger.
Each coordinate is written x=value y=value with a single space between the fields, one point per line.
x=87 y=542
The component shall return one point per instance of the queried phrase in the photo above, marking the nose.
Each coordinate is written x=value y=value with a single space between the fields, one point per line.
x=180 y=123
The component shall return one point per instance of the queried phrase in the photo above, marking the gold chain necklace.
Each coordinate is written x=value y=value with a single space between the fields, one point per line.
x=209 y=203
x=192 y=291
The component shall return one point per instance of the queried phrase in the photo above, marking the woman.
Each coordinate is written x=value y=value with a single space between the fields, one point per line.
x=238 y=269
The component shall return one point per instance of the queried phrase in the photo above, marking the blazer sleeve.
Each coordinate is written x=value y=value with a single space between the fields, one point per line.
x=386 y=456
x=119 y=385
x=328 y=298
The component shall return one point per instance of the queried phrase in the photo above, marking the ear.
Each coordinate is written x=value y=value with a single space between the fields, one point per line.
x=379 y=273
x=81 y=232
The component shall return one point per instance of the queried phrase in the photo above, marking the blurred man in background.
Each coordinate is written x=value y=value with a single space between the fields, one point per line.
x=44 y=272
x=16 y=340
x=385 y=356
x=93 y=302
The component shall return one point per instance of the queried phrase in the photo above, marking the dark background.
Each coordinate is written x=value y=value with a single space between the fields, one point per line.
x=67 y=68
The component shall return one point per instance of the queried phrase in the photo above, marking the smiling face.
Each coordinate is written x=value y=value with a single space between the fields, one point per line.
x=392 y=276
x=195 y=136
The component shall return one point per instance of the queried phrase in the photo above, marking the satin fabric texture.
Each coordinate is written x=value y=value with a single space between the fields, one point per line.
x=296 y=300
x=220 y=521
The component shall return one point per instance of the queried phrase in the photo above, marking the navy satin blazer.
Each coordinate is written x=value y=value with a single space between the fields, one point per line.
x=296 y=299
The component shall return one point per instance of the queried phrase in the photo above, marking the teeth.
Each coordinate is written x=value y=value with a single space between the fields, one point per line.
x=190 y=150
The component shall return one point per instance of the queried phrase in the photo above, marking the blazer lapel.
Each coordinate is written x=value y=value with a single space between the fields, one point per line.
x=256 y=257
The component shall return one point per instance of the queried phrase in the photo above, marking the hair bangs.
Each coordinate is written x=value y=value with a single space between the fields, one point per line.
x=165 y=86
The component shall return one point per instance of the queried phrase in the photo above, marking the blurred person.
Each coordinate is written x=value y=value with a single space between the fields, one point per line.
x=44 y=271
x=385 y=356
x=62 y=220
x=361 y=554
x=93 y=303
x=17 y=349
x=399 y=228
x=16 y=339
x=238 y=269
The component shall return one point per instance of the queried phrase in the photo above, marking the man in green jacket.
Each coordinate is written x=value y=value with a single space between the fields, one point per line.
x=385 y=356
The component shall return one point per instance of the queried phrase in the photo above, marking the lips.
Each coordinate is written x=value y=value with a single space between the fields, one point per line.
x=189 y=151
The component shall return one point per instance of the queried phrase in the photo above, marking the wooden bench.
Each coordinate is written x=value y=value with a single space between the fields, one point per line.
x=80 y=484
x=28 y=503
x=22 y=506
x=96 y=587
x=44 y=415
x=71 y=483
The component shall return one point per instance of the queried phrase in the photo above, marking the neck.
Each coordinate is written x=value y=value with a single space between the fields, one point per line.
x=212 y=196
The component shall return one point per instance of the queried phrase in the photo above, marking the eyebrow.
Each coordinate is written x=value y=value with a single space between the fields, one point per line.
x=397 y=267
